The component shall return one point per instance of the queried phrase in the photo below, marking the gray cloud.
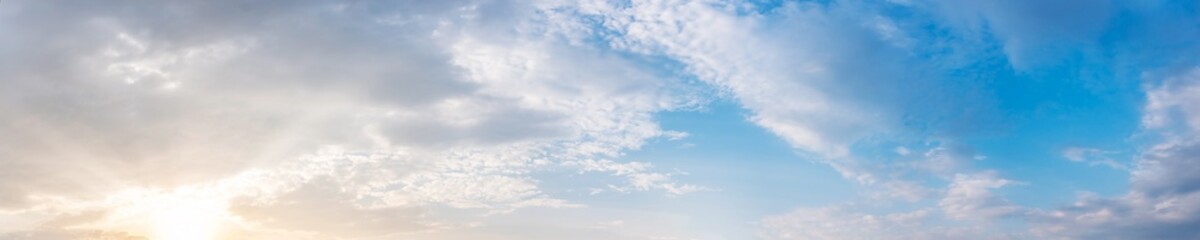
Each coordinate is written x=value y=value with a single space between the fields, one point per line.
x=95 y=109
x=1164 y=197
x=426 y=98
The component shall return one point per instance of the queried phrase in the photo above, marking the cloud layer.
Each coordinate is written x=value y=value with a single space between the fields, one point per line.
x=364 y=113
x=439 y=119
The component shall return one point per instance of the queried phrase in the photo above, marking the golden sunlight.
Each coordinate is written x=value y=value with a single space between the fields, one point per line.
x=184 y=218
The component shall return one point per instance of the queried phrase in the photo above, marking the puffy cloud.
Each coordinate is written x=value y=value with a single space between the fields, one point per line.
x=1172 y=103
x=1168 y=168
x=1163 y=199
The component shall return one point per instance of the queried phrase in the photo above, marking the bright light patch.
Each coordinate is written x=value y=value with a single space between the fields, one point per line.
x=187 y=219
x=185 y=213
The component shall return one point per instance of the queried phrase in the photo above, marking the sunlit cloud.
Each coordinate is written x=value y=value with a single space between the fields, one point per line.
x=596 y=119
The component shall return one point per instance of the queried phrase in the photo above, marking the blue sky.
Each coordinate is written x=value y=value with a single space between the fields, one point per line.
x=600 y=119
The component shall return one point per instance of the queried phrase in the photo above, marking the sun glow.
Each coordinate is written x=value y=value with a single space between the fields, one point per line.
x=187 y=219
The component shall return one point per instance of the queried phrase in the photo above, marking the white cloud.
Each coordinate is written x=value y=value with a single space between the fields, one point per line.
x=425 y=105
x=809 y=91
x=847 y=222
x=901 y=190
x=967 y=209
x=945 y=160
x=379 y=112
x=721 y=49
x=813 y=92
x=1163 y=198
x=1093 y=157
x=970 y=197
x=638 y=176
x=321 y=208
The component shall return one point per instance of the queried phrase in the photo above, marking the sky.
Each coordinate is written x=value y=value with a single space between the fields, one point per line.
x=599 y=119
